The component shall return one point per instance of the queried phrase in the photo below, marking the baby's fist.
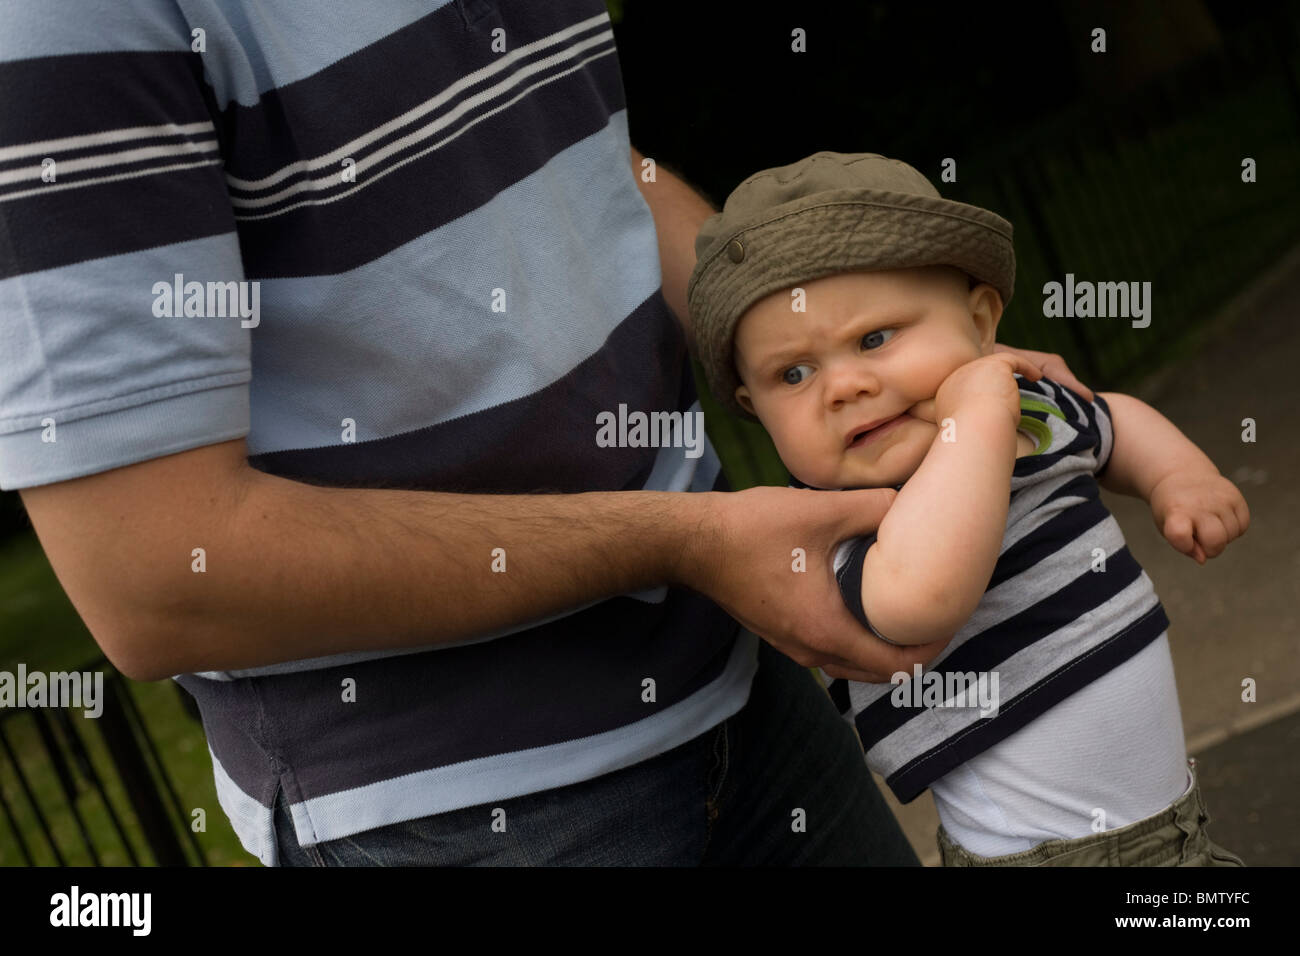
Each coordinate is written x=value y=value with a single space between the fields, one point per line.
x=1199 y=513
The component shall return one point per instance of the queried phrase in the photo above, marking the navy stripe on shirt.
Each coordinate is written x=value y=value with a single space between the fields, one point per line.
x=911 y=781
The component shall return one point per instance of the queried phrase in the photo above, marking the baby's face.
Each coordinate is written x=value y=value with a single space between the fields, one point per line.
x=870 y=347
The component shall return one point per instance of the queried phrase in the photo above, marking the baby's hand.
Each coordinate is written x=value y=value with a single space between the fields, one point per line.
x=1199 y=512
x=985 y=380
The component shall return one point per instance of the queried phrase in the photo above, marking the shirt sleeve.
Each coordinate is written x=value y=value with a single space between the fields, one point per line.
x=849 y=561
x=1105 y=431
x=112 y=200
x=1093 y=420
x=1090 y=427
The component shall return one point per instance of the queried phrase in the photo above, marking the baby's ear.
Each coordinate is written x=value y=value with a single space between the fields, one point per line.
x=985 y=306
x=744 y=401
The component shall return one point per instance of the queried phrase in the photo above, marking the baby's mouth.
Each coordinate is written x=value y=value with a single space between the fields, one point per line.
x=864 y=435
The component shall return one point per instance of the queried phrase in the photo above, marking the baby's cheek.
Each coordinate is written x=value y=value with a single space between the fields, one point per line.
x=786 y=447
x=909 y=454
x=798 y=456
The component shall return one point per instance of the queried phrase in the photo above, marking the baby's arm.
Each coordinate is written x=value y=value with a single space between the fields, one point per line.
x=1196 y=509
x=937 y=546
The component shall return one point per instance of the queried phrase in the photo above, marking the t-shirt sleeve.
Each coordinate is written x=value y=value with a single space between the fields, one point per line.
x=1106 y=433
x=113 y=211
x=1092 y=419
x=849 y=560
x=1089 y=430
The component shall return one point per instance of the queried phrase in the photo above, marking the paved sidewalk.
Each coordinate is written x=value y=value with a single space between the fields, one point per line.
x=1239 y=615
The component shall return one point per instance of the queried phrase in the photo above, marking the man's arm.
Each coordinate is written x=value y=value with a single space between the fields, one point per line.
x=678 y=211
x=297 y=571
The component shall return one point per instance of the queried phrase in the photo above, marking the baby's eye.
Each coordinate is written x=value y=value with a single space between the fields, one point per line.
x=785 y=376
x=874 y=340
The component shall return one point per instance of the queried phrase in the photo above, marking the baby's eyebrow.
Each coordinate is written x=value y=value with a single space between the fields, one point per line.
x=780 y=358
x=853 y=328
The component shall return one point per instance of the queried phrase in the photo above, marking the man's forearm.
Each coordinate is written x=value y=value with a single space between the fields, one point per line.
x=301 y=571
x=1147 y=447
x=678 y=212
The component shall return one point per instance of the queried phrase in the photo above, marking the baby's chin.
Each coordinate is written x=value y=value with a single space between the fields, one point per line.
x=847 y=476
x=898 y=461
x=844 y=479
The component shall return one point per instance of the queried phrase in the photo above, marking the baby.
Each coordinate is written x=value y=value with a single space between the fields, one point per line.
x=845 y=305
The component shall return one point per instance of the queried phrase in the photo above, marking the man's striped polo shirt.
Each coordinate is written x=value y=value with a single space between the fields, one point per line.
x=386 y=173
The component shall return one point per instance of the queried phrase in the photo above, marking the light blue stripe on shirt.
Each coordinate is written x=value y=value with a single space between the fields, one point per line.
x=86 y=329
x=466 y=784
x=445 y=352
x=295 y=40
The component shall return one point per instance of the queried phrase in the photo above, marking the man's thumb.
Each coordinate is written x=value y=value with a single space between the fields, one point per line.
x=865 y=508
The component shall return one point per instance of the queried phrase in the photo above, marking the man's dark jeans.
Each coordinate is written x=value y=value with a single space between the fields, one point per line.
x=782 y=782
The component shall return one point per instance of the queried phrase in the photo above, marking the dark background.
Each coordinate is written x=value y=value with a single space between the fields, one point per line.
x=1117 y=166
x=716 y=89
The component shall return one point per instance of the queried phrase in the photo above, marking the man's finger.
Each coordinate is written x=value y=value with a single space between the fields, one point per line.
x=1053 y=366
x=863 y=509
x=887 y=659
x=1019 y=363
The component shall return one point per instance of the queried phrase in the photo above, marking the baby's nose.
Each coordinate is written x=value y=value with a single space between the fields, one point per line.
x=850 y=380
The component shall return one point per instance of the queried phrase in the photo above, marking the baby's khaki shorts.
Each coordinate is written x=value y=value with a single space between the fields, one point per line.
x=1174 y=837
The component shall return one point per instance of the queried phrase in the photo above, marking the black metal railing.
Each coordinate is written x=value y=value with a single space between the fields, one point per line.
x=146 y=802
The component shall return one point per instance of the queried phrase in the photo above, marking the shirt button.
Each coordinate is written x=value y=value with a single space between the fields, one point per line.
x=735 y=250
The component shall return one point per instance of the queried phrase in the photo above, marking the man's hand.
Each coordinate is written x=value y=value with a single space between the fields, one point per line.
x=743 y=558
x=1051 y=365
x=1199 y=512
